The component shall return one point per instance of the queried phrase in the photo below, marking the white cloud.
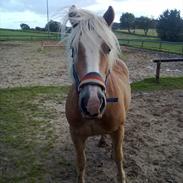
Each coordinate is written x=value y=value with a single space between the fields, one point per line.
x=14 y=19
x=33 y=12
x=137 y=7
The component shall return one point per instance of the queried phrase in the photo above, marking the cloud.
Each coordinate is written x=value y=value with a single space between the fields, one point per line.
x=32 y=12
x=150 y=8
x=14 y=19
x=13 y=12
x=38 y=6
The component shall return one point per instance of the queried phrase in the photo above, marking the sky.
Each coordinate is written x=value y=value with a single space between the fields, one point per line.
x=33 y=12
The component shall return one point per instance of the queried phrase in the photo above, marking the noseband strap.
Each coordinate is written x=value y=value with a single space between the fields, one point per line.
x=92 y=78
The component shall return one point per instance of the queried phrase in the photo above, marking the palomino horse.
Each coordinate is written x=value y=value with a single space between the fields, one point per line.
x=98 y=100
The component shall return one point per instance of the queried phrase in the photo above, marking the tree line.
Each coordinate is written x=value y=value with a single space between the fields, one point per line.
x=52 y=26
x=169 y=25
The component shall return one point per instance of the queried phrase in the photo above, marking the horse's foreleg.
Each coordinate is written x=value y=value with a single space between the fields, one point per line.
x=117 y=141
x=79 y=144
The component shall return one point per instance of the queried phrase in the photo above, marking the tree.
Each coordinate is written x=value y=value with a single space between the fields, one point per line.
x=39 y=29
x=154 y=23
x=170 y=25
x=24 y=26
x=143 y=23
x=127 y=21
x=115 y=26
x=53 y=26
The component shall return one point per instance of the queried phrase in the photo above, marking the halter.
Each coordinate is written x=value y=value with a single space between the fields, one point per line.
x=92 y=78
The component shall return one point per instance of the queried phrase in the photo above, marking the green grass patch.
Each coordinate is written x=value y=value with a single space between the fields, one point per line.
x=9 y=34
x=125 y=35
x=150 y=84
x=148 y=42
x=27 y=135
x=151 y=32
x=24 y=32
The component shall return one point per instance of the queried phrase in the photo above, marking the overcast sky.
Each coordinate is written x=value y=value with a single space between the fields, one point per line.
x=33 y=12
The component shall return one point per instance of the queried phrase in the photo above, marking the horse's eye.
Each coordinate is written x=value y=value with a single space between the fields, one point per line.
x=105 y=48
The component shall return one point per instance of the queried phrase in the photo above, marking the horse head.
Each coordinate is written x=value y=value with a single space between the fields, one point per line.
x=93 y=48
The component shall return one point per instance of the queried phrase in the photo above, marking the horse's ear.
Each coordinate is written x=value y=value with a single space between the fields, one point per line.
x=109 y=15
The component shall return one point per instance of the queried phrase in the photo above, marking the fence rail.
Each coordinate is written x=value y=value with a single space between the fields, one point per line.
x=172 y=47
x=29 y=37
x=159 y=61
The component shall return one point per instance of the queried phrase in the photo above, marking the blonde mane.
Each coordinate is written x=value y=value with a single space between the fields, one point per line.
x=95 y=30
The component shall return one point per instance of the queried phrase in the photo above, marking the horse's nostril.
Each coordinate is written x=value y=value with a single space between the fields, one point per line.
x=83 y=104
x=102 y=102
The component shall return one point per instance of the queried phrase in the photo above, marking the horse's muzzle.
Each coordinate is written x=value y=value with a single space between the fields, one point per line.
x=92 y=101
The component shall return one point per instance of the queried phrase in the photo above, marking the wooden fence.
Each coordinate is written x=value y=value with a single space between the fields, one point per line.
x=172 y=47
x=159 y=61
x=28 y=37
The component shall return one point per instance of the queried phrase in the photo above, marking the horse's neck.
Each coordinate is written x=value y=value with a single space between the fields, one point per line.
x=119 y=77
x=120 y=71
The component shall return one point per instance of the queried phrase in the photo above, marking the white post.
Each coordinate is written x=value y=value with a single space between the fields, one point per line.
x=48 y=18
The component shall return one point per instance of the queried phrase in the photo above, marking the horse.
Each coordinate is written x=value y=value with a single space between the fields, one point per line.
x=100 y=94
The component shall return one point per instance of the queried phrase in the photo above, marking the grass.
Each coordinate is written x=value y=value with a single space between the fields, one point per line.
x=9 y=34
x=137 y=40
x=28 y=136
x=125 y=35
x=21 y=32
x=150 y=42
x=167 y=83
x=151 y=32
x=155 y=45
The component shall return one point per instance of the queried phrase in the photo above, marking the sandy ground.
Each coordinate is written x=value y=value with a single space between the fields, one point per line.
x=153 y=143
x=25 y=64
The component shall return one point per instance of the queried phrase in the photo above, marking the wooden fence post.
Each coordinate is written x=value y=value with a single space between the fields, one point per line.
x=160 y=45
x=158 y=71
x=142 y=44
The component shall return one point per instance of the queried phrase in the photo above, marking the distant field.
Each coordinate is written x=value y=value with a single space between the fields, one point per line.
x=134 y=40
x=148 y=42
x=151 y=32
x=126 y=35
x=154 y=44
x=20 y=32
x=8 y=34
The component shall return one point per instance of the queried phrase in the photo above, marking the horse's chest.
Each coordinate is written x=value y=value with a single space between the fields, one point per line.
x=96 y=127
